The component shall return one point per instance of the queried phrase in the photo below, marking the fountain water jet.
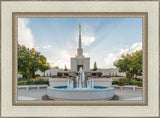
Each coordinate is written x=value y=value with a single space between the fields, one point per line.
x=80 y=91
x=80 y=82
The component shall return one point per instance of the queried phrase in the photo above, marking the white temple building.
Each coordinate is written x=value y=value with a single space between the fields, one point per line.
x=80 y=61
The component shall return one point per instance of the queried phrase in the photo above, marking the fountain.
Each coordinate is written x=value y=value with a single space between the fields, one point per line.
x=80 y=82
x=80 y=89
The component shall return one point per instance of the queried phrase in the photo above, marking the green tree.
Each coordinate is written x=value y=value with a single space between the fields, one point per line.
x=95 y=66
x=29 y=61
x=131 y=64
x=65 y=68
x=56 y=67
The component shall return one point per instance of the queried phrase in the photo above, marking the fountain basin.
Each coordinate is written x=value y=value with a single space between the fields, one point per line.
x=98 y=92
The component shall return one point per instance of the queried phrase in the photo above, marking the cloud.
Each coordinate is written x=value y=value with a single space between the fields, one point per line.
x=47 y=46
x=112 y=57
x=85 y=54
x=25 y=36
x=61 y=59
x=43 y=48
x=86 y=40
x=87 y=35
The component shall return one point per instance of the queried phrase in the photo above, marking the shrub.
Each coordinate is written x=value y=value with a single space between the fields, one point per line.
x=99 y=74
x=46 y=82
x=139 y=84
x=22 y=79
x=121 y=84
x=22 y=82
x=34 y=81
x=37 y=75
x=93 y=74
x=115 y=82
x=39 y=82
x=59 y=74
x=65 y=74
x=29 y=82
x=136 y=79
x=126 y=81
x=130 y=83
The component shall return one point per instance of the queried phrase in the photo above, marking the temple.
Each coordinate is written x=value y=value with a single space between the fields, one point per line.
x=80 y=60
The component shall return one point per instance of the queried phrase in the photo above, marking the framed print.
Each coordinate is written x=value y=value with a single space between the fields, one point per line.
x=80 y=59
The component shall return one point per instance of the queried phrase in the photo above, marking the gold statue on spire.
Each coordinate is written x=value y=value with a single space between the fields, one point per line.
x=79 y=27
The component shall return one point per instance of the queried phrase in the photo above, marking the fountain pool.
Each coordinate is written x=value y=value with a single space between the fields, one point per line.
x=80 y=89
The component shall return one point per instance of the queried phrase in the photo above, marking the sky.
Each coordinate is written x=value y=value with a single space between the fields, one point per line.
x=104 y=40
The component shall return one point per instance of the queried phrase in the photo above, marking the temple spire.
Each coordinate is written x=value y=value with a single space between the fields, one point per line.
x=79 y=36
x=79 y=50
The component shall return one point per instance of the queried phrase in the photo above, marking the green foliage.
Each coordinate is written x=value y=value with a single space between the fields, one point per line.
x=59 y=74
x=22 y=79
x=29 y=61
x=121 y=83
x=37 y=75
x=95 y=66
x=65 y=68
x=34 y=81
x=23 y=73
x=127 y=81
x=65 y=74
x=131 y=64
x=136 y=79
x=115 y=82
x=93 y=74
x=99 y=74
x=124 y=79
x=139 y=84
x=39 y=82
x=22 y=82
x=56 y=67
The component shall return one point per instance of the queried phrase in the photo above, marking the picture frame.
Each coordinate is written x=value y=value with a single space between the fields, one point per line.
x=11 y=10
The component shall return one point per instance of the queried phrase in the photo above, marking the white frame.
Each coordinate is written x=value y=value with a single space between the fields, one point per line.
x=151 y=7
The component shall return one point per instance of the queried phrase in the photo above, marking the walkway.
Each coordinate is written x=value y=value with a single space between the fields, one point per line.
x=37 y=94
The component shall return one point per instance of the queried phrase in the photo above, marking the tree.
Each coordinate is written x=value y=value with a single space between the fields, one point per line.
x=131 y=64
x=95 y=66
x=29 y=61
x=65 y=68
x=56 y=67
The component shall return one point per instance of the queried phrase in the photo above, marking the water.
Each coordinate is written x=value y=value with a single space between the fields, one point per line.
x=80 y=82
x=70 y=84
x=74 y=88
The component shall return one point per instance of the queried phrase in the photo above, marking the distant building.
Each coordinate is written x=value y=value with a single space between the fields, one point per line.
x=80 y=61
x=49 y=72
x=105 y=72
x=111 y=72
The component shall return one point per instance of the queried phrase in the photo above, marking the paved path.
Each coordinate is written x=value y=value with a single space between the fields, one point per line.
x=27 y=98
x=123 y=94
x=126 y=94
x=33 y=93
x=137 y=98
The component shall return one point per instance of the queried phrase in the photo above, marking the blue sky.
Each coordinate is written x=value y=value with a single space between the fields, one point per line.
x=104 y=40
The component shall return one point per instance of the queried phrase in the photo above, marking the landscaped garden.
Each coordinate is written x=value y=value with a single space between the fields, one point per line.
x=127 y=81
x=34 y=81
